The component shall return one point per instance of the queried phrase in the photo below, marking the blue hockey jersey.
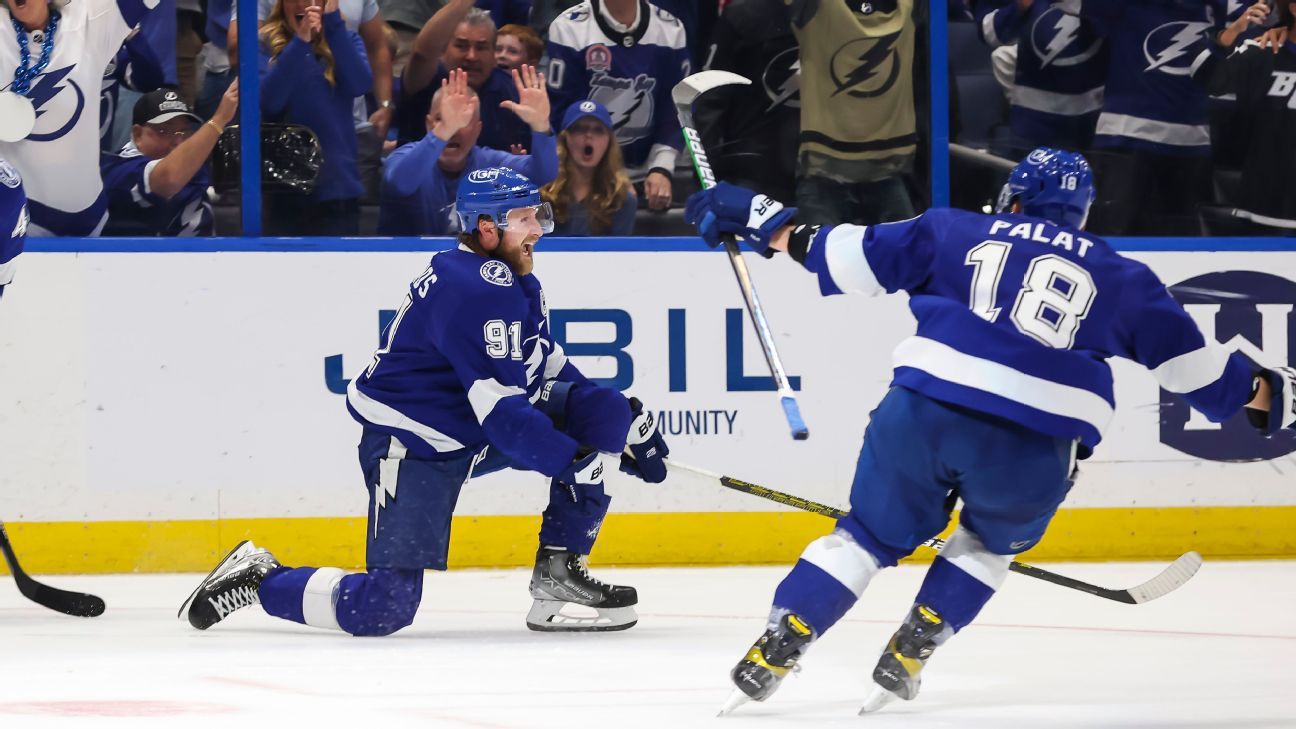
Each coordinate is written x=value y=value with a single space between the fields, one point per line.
x=462 y=364
x=133 y=207
x=13 y=221
x=1061 y=71
x=630 y=73
x=1017 y=317
x=1151 y=101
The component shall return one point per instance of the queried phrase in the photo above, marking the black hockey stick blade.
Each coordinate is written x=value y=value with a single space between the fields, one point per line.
x=78 y=604
x=1170 y=579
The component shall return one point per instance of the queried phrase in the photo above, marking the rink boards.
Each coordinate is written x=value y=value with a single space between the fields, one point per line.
x=158 y=405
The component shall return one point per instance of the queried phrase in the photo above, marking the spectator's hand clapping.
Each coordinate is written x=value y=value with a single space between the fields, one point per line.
x=532 y=105
x=458 y=106
x=311 y=24
x=228 y=106
x=518 y=149
x=657 y=188
x=330 y=6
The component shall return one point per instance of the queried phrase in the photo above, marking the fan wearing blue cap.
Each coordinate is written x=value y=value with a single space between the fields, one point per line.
x=592 y=194
x=469 y=380
x=1004 y=385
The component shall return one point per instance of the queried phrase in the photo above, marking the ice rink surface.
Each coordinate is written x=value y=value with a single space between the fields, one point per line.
x=1219 y=652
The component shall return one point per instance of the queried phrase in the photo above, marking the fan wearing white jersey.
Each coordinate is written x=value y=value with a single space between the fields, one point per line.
x=52 y=57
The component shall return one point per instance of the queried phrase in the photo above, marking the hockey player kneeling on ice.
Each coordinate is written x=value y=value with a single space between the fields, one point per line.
x=1005 y=382
x=468 y=381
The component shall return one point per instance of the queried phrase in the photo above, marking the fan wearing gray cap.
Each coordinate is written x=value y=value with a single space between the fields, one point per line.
x=157 y=185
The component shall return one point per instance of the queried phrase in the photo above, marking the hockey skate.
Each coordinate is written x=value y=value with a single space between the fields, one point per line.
x=561 y=579
x=898 y=671
x=232 y=585
x=769 y=661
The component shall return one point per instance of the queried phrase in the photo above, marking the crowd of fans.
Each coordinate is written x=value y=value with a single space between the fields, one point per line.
x=1186 y=108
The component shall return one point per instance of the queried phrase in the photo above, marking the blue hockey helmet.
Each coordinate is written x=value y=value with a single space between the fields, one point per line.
x=1051 y=184
x=495 y=192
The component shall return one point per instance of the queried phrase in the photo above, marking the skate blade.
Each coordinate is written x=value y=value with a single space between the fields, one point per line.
x=736 y=698
x=239 y=551
x=877 y=698
x=546 y=616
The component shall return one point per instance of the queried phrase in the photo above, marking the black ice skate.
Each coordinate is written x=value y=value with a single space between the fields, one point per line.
x=560 y=579
x=232 y=585
x=898 y=671
x=769 y=661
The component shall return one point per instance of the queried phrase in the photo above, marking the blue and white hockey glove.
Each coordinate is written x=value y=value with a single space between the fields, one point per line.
x=732 y=209
x=585 y=470
x=1282 y=401
x=646 y=444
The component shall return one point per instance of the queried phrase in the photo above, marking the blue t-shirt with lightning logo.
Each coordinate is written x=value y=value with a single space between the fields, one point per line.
x=1017 y=318
x=1060 y=74
x=59 y=159
x=462 y=364
x=1151 y=101
x=13 y=221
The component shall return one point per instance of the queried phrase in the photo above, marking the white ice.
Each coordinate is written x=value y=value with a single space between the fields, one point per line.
x=1219 y=652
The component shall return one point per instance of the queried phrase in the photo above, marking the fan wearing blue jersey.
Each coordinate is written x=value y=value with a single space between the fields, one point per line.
x=1005 y=382
x=157 y=185
x=468 y=381
x=13 y=222
x=627 y=55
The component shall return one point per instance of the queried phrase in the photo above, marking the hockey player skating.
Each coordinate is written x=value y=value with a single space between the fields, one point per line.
x=1005 y=380
x=468 y=381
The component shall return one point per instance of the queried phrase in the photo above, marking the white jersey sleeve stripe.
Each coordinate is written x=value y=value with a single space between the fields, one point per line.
x=946 y=363
x=965 y=551
x=988 y=29
x=556 y=361
x=844 y=254
x=1194 y=370
x=485 y=394
x=380 y=414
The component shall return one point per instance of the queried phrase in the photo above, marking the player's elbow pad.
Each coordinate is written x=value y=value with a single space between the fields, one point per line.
x=528 y=437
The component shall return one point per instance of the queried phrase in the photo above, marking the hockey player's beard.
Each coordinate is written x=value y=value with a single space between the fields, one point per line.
x=520 y=257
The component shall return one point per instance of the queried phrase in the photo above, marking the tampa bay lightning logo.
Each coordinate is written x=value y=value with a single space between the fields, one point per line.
x=1062 y=40
x=629 y=101
x=866 y=67
x=497 y=272
x=1250 y=312
x=56 y=112
x=1173 y=47
x=782 y=79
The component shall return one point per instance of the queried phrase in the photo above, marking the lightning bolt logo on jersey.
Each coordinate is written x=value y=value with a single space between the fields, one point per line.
x=867 y=67
x=1062 y=41
x=66 y=198
x=782 y=80
x=1167 y=48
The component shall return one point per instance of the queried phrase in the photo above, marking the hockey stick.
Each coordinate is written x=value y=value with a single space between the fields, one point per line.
x=80 y=604
x=684 y=94
x=1170 y=579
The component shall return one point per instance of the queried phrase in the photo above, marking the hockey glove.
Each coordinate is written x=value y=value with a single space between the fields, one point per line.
x=732 y=209
x=1282 y=401
x=585 y=470
x=646 y=444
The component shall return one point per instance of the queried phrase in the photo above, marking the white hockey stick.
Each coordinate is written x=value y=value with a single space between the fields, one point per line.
x=684 y=94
